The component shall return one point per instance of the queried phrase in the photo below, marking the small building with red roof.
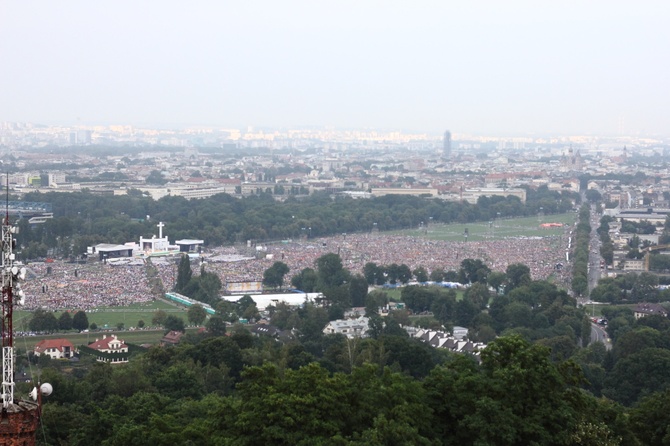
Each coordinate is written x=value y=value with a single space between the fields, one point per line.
x=55 y=348
x=172 y=338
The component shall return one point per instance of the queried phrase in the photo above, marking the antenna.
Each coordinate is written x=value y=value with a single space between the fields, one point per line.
x=11 y=276
x=7 y=308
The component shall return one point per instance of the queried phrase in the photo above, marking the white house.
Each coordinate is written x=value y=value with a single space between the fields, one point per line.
x=110 y=344
x=55 y=348
x=351 y=328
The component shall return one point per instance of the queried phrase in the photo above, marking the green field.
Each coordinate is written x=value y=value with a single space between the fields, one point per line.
x=494 y=230
x=132 y=337
x=394 y=294
x=111 y=316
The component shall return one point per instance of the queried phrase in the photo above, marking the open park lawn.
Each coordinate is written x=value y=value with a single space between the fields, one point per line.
x=107 y=320
x=493 y=230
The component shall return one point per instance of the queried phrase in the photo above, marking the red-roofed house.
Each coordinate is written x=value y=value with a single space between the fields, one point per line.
x=55 y=348
x=172 y=338
x=110 y=344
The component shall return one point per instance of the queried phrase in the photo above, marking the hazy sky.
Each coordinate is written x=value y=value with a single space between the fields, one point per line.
x=487 y=67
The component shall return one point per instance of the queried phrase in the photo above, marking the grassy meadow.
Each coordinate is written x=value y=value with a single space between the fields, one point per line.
x=493 y=230
x=110 y=317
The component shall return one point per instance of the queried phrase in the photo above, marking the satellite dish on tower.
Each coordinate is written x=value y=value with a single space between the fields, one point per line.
x=46 y=389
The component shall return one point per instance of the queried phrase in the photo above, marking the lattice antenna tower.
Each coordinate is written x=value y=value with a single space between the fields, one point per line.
x=11 y=276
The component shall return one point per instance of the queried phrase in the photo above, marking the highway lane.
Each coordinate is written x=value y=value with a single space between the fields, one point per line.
x=598 y=334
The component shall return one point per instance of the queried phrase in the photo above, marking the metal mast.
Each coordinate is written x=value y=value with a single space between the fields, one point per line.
x=10 y=275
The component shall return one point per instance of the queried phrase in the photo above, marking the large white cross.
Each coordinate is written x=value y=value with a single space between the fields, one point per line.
x=160 y=229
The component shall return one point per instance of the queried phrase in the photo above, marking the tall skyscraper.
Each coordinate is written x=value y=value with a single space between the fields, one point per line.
x=446 y=149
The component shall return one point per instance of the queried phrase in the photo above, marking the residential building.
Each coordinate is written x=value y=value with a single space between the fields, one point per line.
x=110 y=345
x=55 y=348
x=172 y=338
x=351 y=328
x=439 y=339
x=646 y=309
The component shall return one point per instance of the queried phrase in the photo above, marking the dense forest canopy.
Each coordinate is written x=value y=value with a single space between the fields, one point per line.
x=385 y=390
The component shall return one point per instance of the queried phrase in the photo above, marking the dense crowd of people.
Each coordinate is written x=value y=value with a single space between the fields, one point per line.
x=545 y=256
x=60 y=285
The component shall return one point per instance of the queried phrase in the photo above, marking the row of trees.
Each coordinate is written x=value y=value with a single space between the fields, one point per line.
x=630 y=288
x=580 y=255
x=204 y=287
x=44 y=321
x=83 y=219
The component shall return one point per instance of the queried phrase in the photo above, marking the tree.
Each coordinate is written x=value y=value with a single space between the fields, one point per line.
x=466 y=310
x=184 y=273
x=478 y=294
x=305 y=281
x=196 y=314
x=43 y=320
x=392 y=272
x=330 y=272
x=65 y=321
x=637 y=340
x=371 y=272
x=418 y=299
x=580 y=285
x=358 y=290
x=80 y=320
x=156 y=177
x=645 y=288
x=437 y=275
x=515 y=371
x=496 y=279
x=420 y=274
x=251 y=313
x=518 y=274
x=204 y=288
x=243 y=303
x=639 y=374
x=593 y=195
x=140 y=323
x=607 y=252
x=443 y=306
x=273 y=277
x=473 y=270
x=404 y=274
x=210 y=286
x=174 y=323
x=606 y=291
x=216 y=326
x=651 y=417
x=158 y=318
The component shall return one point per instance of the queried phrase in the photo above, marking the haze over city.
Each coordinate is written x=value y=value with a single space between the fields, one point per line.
x=483 y=67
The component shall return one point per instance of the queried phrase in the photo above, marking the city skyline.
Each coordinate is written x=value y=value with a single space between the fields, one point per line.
x=512 y=69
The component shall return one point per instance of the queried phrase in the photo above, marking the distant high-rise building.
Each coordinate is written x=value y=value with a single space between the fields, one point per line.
x=83 y=137
x=446 y=149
